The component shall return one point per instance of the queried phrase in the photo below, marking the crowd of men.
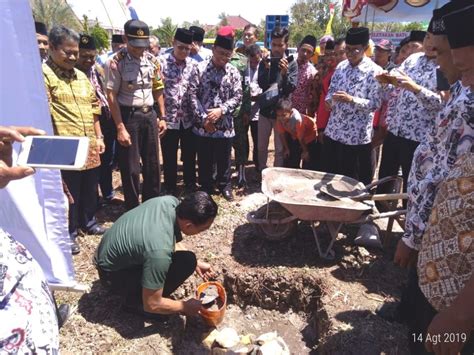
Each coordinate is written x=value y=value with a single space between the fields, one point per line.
x=330 y=116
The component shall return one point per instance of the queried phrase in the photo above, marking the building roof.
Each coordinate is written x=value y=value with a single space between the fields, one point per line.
x=238 y=22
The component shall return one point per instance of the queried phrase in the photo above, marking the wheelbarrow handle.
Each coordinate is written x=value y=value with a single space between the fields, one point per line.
x=381 y=181
x=381 y=197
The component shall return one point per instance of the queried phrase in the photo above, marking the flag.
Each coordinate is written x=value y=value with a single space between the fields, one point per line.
x=133 y=13
x=331 y=18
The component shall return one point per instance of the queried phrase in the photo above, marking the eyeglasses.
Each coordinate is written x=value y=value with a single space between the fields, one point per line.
x=353 y=50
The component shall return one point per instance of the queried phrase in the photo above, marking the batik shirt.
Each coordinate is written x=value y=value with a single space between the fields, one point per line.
x=452 y=136
x=446 y=258
x=301 y=97
x=96 y=77
x=181 y=81
x=411 y=115
x=351 y=122
x=219 y=88
x=203 y=54
x=28 y=315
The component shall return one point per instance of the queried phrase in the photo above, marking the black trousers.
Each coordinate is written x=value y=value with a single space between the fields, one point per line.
x=210 y=151
x=350 y=160
x=396 y=152
x=143 y=131
x=83 y=188
x=186 y=140
x=107 y=158
x=418 y=313
x=128 y=282
x=293 y=160
x=254 y=134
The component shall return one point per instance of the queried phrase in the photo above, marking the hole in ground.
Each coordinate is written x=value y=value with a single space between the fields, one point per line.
x=262 y=301
x=294 y=300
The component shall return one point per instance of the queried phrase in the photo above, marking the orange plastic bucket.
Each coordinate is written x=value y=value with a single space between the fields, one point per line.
x=213 y=318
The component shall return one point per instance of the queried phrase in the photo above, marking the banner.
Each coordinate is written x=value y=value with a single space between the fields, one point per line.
x=390 y=10
x=394 y=37
x=33 y=210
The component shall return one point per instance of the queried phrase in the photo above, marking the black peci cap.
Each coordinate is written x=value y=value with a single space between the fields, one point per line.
x=117 y=39
x=404 y=42
x=225 y=42
x=310 y=40
x=357 y=35
x=40 y=28
x=417 y=36
x=138 y=33
x=198 y=33
x=86 y=42
x=330 y=45
x=460 y=28
x=183 y=35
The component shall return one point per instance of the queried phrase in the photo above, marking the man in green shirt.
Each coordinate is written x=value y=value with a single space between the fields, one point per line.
x=138 y=257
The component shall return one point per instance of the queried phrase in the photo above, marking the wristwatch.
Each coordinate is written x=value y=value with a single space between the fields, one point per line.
x=99 y=137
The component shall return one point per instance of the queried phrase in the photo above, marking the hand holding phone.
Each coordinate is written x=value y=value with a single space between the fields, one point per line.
x=54 y=152
x=283 y=65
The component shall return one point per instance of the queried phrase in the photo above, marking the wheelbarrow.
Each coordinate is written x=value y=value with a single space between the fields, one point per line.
x=313 y=196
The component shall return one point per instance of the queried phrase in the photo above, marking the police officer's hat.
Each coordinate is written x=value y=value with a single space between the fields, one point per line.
x=138 y=33
x=86 y=42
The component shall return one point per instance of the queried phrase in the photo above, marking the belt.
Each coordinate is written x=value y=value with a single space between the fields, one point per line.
x=144 y=109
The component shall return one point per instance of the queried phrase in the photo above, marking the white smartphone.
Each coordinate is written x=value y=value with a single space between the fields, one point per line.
x=54 y=152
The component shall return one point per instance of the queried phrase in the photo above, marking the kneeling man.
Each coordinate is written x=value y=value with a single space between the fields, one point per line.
x=138 y=257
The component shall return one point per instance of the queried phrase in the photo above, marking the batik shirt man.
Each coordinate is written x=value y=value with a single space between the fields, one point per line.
x=351 y=122
x=301 y=97
x=411 y=116
x=219 y=87
x=178 y=80
x=452 y=136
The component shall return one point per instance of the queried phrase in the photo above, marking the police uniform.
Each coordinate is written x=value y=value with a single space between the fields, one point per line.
x=134 y=80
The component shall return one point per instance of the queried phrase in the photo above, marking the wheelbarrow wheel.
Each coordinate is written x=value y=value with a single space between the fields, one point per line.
x=275 y=231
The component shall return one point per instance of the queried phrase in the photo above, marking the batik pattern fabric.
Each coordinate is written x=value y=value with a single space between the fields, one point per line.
x=452 y=136
x=301 y=97
x=351 y=122
x=446 y=258
x=181 y=81
x=218 y=88
x=409 y=115
x=29 y=323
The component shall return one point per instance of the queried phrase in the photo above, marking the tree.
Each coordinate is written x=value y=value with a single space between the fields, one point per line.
x=166 y=32
x=100 y=36
x=311 y=17
x=187 y=24
x=223 y=19
x=55 y=12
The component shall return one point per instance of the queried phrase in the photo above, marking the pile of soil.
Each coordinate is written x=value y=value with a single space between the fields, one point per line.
x=315 y=305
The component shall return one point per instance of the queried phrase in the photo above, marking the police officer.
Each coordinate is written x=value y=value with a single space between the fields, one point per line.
x=134 y=85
